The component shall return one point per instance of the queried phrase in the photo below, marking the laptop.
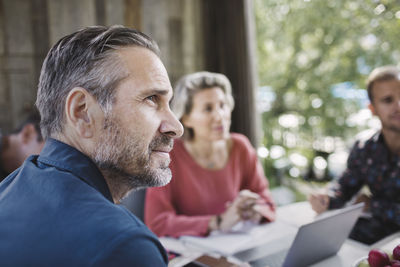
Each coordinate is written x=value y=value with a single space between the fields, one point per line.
x=313 y=242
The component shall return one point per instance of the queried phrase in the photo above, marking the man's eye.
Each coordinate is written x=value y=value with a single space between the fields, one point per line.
x=152 y=98
x=387 y=100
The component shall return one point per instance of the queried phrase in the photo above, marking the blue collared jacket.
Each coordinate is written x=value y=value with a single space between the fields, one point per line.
x=56 y=210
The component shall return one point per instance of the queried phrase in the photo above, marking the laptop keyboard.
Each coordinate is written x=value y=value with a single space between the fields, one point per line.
x=273 y=260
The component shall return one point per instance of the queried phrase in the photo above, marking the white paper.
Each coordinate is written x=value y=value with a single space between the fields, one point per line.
x=228 y=244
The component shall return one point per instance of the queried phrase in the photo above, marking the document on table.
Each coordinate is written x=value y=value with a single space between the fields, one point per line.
x=227 y=244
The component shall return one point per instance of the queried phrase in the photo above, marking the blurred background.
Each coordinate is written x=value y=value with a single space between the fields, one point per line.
x=313 y=59
x=298 y=67
x=192 y=35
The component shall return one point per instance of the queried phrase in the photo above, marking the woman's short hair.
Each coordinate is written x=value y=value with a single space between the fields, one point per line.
x=380 y=74
x=189 y=85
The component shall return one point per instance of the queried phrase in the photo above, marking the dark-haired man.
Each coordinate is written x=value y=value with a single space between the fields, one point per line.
x=103 y=98
x=26 y=140
x=374 y=162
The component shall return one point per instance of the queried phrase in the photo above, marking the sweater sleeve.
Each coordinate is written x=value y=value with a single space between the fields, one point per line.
x=162 y=218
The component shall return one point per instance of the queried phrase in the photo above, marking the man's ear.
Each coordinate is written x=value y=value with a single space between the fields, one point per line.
x=371 y=107
x=78 y=108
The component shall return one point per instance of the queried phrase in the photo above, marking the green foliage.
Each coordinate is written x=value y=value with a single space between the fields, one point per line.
x=306 y=47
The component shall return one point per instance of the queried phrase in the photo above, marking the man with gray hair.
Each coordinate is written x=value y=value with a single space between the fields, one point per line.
x=103 y=98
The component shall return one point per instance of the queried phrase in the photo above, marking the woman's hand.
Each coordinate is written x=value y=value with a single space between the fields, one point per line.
x=250 y=201
x=265 y=211
x=241 y=209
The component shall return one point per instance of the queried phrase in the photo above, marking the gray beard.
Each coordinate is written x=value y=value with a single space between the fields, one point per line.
x=120 y=156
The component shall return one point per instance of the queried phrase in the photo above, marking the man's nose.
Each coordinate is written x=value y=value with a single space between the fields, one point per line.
x=397 y=103
x=171 y=126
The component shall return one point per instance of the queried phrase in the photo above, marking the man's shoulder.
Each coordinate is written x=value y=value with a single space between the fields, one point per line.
x=111 y=225
x=367 y=138
x=125 y=240
x=79 y=220
x=114 y=222
x=133 y=243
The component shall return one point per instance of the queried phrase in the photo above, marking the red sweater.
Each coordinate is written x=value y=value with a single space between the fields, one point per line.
x=186 y=204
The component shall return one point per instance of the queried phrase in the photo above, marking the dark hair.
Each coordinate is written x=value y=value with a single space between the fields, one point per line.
x=32 y=117
x=380 y=74
x=87 y=59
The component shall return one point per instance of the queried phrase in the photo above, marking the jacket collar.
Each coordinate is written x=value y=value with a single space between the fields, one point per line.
x=66 y=157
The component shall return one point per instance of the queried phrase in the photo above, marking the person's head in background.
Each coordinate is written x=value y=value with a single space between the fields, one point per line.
x=105 y=91
x=24 y=141
x=383 y=85
x=203 y=103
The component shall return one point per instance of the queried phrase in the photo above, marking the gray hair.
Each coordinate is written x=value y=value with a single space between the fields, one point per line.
x=189 y=85
x=380 y=74
x=87 y=59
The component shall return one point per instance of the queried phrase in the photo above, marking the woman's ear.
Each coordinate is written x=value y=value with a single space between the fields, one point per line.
x=79 y=116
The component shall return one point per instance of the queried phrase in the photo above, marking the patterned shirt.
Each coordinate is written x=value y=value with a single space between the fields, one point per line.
x=371 y=163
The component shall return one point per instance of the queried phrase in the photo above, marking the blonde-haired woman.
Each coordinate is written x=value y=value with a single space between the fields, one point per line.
x=217 y=180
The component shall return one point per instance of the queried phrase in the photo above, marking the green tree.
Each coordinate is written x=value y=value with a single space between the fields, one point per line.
x=304 y=49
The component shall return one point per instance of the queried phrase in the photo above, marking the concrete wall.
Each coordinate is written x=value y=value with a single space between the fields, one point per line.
x=193 y=35
x=17 y=58
x=177 y=27
x=28 y=28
